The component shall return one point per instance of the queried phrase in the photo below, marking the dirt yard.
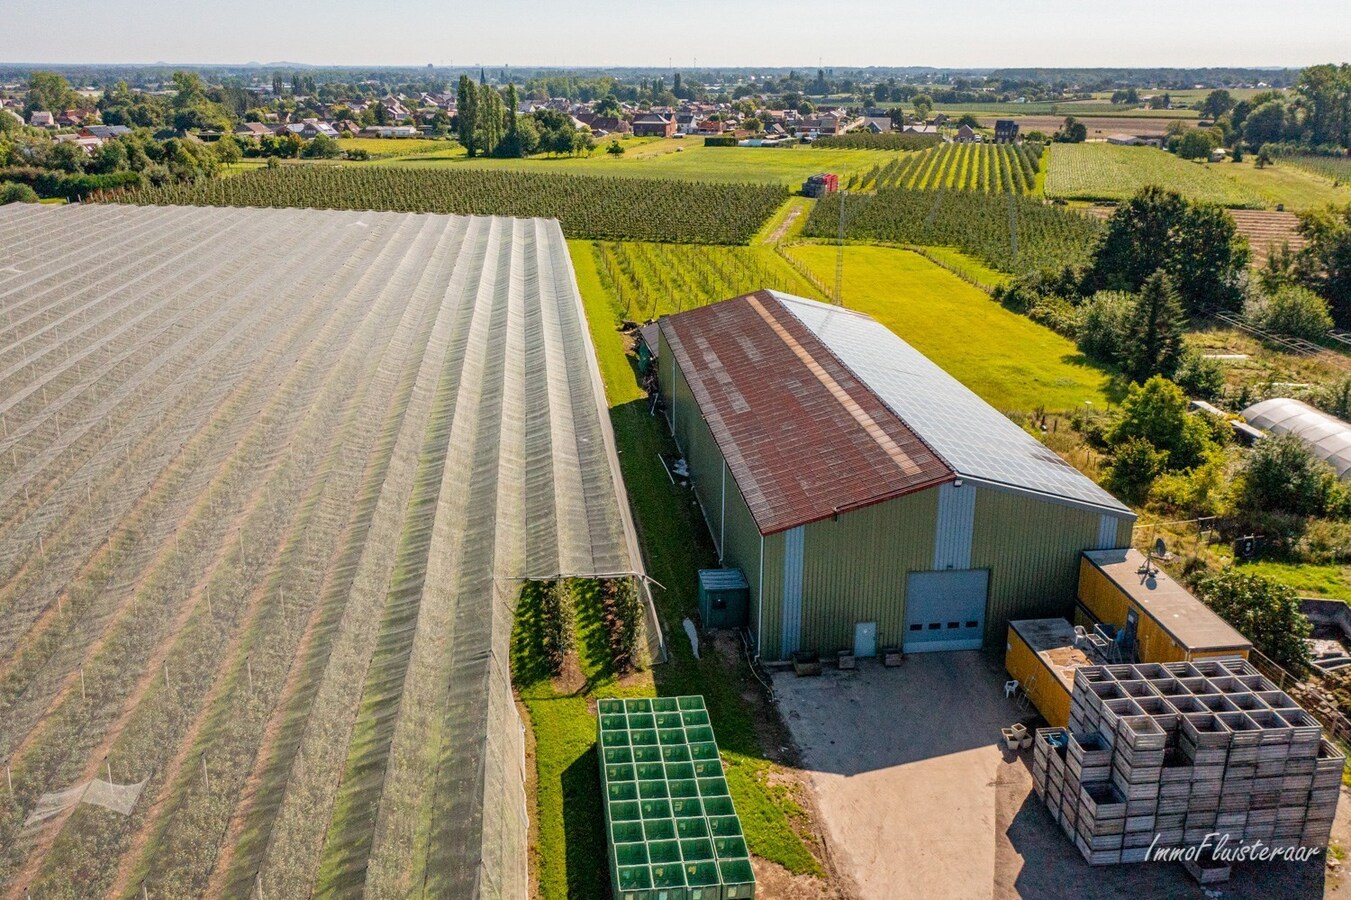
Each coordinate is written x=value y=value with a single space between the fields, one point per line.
x=916 y=798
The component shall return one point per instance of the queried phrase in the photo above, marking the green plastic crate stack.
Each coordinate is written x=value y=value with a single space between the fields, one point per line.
x=673 y=832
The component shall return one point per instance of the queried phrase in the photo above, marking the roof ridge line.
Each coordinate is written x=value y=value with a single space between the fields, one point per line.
x=863 y=382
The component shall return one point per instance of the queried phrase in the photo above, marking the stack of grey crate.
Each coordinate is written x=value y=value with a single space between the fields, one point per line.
x=1164 y=754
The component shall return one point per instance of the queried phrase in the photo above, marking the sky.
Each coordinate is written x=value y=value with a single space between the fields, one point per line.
x=683 y=34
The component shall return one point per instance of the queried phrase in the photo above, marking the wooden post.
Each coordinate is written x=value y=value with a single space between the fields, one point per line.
x=9 y=779
x=282 y=592
x=208 y=601
x=83 y=695
x=145 y=895
x=206 y=779
x=108 y=769
x=248 y=666
x=258 y=882
x=166 y=674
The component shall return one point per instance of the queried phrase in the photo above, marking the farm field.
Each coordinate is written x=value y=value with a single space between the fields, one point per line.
x=1009 y=360
x=685 y=160
x=1285 y=183
x=1267 y=230
x=1333 y=168
x=1109 y=172
x=1006 y=232
x=247 y=537
x=990 y=168
x=1099 y=127
x=382 y=148
x=602 y=208
x=1059 y=108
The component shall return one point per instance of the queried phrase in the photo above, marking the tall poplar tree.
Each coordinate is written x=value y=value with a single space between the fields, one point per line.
x=467 y=114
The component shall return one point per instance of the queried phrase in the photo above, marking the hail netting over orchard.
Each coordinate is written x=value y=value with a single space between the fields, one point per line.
x=269 y=482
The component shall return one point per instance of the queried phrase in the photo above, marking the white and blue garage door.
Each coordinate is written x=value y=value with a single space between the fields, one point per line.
x=946 y=610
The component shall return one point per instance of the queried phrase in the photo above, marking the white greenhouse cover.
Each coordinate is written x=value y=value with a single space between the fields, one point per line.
x=1328 y=437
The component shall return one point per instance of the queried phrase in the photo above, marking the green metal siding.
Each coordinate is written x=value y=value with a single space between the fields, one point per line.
x=770 y=631
x=743 y=551
x=855 y=570
x=1031 y=548
x=705 y=462
x=1124 y=529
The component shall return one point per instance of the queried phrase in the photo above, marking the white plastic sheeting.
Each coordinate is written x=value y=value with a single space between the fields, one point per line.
x=120 y=798
x=528 y=476
x=1328 y=437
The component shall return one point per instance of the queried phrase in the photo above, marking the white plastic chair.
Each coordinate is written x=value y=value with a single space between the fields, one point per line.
x=1010 y=688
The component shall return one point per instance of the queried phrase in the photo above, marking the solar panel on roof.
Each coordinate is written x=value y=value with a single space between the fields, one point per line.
x=973 y=437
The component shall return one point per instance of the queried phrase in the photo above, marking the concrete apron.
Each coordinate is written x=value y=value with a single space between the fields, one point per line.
x=903 y=764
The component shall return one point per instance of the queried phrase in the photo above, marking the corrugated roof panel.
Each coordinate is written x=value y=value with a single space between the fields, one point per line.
x=971 y=436
x=803 y=437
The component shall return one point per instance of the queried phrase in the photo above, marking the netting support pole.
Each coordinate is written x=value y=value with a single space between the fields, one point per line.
x=206 y=779
x=108 y=769
x=83 y=695
x=258 y=883
x=145 y=895
x=248 y=667
x=9 y=779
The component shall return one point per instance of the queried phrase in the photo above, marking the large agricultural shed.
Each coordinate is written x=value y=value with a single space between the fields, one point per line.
x=269 y=482
x=870 y=499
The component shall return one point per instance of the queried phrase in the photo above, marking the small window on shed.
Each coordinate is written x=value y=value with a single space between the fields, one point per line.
x=935 y=626
x=916 y=627
x=973 y=624
x=954 y=624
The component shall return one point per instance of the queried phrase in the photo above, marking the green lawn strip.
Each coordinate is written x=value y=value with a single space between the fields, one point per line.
x=1329 y=581
x=1009 y=360
x=967 y=266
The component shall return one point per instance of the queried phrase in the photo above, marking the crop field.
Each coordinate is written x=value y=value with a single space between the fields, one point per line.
x=1006 y=232
x=1109 y=172
x=1267 y=230
x=1284 y=183
x=385 y=148
x=1333 y=168
x=1099 y=126
x=991 y=168
x=599 y=208
x=685 y=159
x=1010 y=361
x=266 y=481
x=865 y=140
x=651 y=280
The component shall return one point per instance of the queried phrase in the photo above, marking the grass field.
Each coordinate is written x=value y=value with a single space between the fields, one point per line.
x=1108 y=172
x=685 y=159
x=1284 y=183
x=1010 y=361
x=1330 y=581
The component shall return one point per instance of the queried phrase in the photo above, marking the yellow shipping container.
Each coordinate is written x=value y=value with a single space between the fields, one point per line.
x=1040 y=654
x=1171 y=625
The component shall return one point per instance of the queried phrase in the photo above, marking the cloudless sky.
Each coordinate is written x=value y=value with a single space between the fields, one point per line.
x=973 y=33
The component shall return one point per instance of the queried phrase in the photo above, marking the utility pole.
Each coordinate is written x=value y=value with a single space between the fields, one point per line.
x=839 y=249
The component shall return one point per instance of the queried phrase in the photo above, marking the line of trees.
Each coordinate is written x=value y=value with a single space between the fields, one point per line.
x=489 y=125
